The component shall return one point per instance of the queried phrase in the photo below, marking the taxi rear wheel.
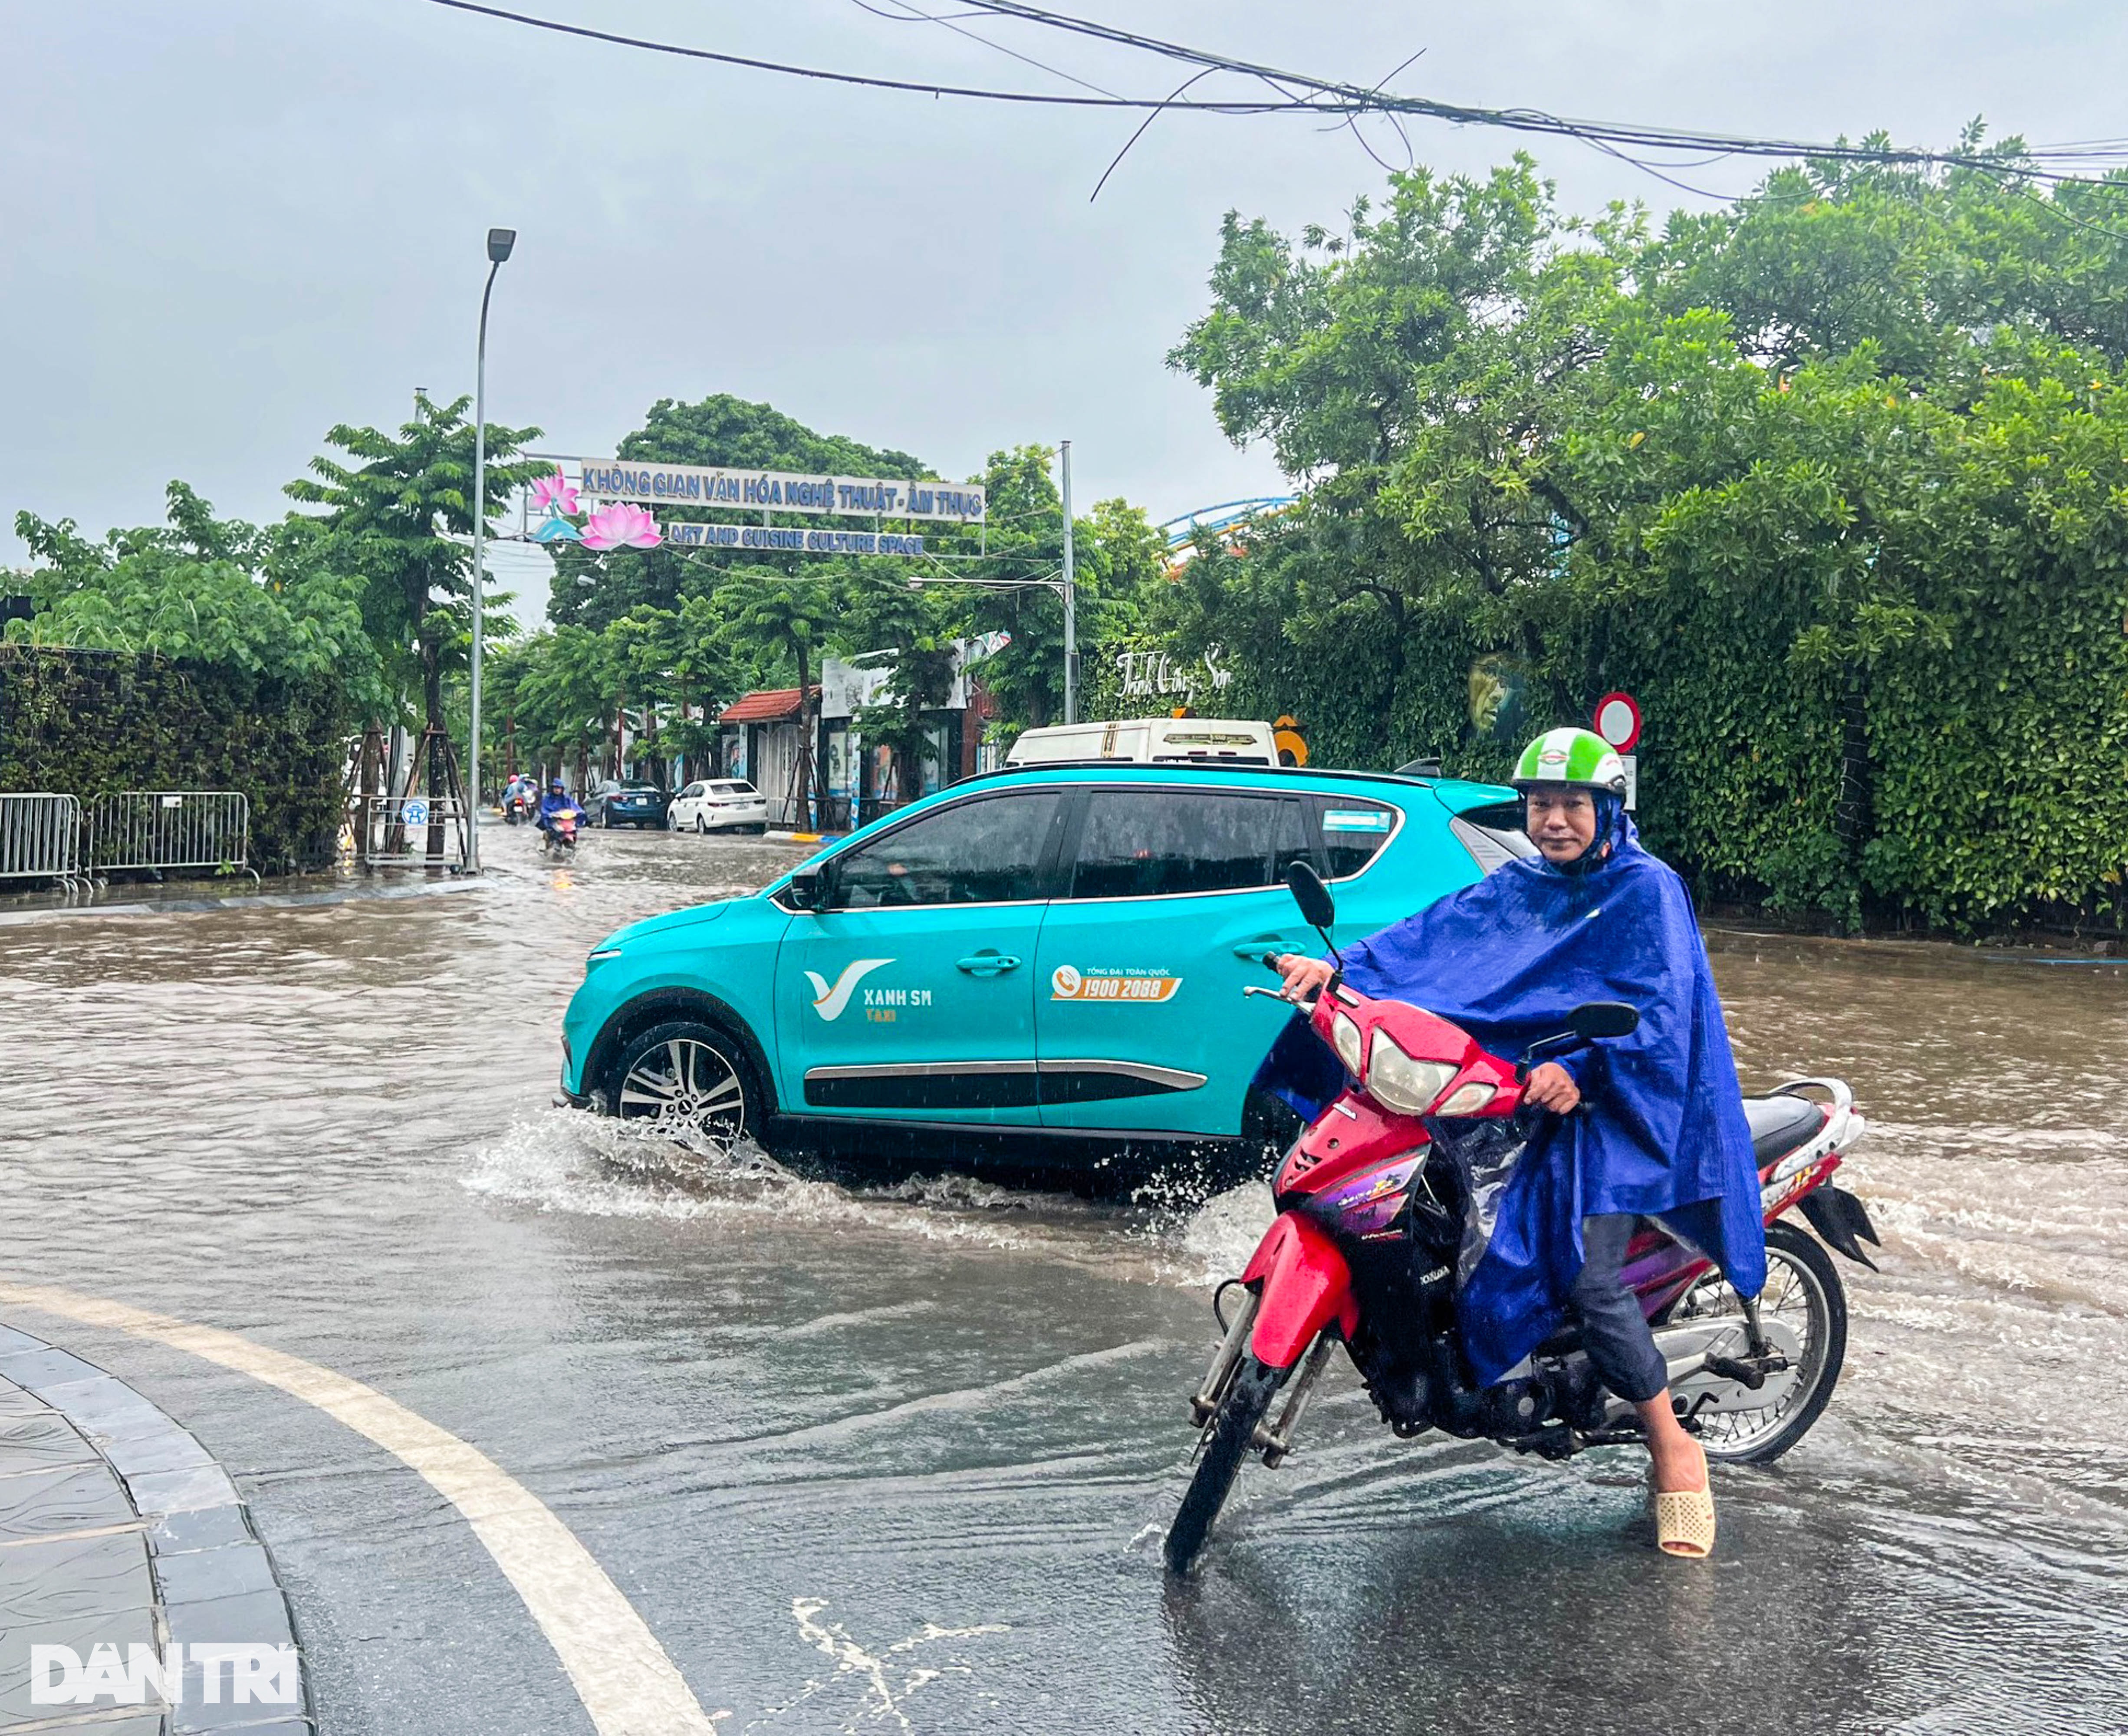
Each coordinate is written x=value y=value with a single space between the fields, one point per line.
x=687 y=1078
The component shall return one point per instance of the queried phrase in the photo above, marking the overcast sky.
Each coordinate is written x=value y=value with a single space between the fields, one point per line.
x=229 y=224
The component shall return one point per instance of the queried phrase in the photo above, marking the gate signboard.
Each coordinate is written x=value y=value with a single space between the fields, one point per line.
x=777 y=491
x=625 y=492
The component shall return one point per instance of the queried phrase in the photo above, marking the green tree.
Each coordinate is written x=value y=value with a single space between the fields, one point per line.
x=593 y=589
x=781 y=621
x=1118 y=558
x=890 y=623
x=1831 y=479
x=402 y=518
x=561 y=684
x=266 y=601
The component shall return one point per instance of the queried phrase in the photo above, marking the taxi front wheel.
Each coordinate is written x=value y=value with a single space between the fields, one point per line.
x=687 y=1079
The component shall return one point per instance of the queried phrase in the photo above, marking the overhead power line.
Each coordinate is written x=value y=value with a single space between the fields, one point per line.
x=922 y=87
x=1330 y=95
x=1287 y=92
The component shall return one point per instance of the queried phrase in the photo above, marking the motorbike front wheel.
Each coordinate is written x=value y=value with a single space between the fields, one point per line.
x=1227 y=1443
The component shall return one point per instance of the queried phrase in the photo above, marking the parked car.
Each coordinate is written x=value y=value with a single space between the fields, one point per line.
x=719 y=805
x=1047 y=961
x=627 y=802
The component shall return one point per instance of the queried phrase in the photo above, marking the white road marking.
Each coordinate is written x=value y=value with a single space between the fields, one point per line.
x=626 y=1682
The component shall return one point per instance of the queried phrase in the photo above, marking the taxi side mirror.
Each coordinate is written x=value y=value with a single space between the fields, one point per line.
x=810 y=888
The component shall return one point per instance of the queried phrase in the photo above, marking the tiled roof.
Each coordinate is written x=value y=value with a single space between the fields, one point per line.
x=763 y=707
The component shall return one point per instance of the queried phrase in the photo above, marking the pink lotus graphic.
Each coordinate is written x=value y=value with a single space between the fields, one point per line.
x=556 y=494
x=622 y=525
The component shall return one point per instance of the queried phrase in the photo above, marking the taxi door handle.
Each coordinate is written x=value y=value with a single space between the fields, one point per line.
x=989 y=964
x=1253 y=950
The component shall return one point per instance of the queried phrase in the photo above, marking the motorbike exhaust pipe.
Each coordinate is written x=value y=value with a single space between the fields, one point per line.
x=1277 y=1441
x=1229 y=1353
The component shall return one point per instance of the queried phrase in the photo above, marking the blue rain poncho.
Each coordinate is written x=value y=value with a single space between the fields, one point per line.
x=1662 y=1130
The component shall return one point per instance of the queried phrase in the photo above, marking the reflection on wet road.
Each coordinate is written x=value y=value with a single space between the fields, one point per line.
x=872 y=1456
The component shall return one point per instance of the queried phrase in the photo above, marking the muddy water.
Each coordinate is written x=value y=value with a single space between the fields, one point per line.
x=894 y=1457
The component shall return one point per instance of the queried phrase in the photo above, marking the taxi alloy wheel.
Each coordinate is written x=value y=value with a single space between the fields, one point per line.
x=687 y=1078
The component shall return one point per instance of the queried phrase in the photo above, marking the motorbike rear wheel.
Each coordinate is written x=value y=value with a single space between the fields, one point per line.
x=1803 y=1289
x=1227 y=1443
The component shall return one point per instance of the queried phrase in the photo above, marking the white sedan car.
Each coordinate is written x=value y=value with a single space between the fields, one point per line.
x=719 y=805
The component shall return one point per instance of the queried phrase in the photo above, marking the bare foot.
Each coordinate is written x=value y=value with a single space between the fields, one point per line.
x=1679 y=1464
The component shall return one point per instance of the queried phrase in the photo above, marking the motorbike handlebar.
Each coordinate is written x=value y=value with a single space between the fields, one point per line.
x=1277 y=995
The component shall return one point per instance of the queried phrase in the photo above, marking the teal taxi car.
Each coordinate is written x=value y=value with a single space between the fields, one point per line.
x=1047 y=962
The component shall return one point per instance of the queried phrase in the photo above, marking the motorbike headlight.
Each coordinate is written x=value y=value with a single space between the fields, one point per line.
x=1345 y=1036
x=1397 y=1081
x=1469 y=1100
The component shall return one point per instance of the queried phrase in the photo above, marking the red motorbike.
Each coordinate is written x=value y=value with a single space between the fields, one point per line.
x=561 y=830
x=1376 y=1200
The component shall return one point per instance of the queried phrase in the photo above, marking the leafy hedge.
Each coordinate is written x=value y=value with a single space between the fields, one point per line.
x=86 y=722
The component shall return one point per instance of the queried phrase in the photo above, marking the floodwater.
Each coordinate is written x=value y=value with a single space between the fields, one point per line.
x=872 y=1455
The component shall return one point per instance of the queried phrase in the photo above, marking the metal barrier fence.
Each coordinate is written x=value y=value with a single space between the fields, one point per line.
x=153 y=830
x=40 y=838
x=408 y=832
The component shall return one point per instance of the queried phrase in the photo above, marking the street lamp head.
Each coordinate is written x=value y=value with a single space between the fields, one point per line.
x=500 y=241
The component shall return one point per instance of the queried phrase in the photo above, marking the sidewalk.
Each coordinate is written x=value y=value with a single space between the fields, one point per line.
x=118 y=1530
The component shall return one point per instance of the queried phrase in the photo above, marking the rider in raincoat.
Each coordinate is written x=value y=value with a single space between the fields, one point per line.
x=1659 y=1130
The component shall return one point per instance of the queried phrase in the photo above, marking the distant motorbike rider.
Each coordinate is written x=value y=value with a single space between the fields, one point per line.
x=557 y=802
x=1660 y=1129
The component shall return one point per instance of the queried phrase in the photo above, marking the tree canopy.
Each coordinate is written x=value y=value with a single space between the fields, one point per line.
x=266 y=600
x=1835 y=480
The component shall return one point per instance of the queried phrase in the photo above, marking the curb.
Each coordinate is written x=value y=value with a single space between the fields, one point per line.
x=244 y=901
x=136 y=1533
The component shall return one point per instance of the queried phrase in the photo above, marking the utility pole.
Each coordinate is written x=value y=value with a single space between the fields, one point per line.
x=1071 y=599
x=500 y=241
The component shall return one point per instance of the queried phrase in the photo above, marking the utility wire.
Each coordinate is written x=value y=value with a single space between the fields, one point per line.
x=1300 y=93
x=910 y=14
x=1334 y=95
x=928 y=88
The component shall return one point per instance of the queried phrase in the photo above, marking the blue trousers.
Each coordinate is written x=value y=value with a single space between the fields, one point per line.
x=1615 y=1332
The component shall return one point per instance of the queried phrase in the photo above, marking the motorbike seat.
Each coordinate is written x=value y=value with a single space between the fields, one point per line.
x=1779 y=1124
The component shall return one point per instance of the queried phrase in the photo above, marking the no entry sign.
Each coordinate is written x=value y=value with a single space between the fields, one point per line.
x=1618 y=720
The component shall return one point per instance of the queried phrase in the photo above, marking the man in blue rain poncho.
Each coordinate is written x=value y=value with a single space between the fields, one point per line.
x=1652 y=1124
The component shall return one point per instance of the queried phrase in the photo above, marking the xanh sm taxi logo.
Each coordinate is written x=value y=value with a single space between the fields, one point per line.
x=881 y=1006
x=829 y=1002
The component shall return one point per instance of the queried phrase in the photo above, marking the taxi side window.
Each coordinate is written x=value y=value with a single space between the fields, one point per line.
x=692 y=790
x=1353 y=832
x=980 y=852
x=1151 y=843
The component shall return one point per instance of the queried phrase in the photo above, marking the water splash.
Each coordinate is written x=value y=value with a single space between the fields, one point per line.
x=596 y=1166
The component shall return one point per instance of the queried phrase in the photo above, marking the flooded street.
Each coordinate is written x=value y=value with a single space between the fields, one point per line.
x=895 y=1454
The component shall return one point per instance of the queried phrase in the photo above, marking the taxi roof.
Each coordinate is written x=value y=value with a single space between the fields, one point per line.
x=1455 y=793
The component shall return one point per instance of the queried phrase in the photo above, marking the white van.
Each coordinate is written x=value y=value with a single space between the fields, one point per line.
x=1148 y=740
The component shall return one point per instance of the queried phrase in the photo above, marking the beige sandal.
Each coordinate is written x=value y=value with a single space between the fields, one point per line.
x=1684 y=1518
x=1685 y=1522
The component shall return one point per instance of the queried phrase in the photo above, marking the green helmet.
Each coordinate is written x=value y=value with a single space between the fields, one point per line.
x=1575 y=758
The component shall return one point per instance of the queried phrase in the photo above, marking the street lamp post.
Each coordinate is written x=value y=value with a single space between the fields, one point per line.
x=1070 y=596
x=500 y=241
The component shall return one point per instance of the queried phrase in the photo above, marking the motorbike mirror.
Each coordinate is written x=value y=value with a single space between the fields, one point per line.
x=1317 y=909
x=808 y=889
x=1595 y=1019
